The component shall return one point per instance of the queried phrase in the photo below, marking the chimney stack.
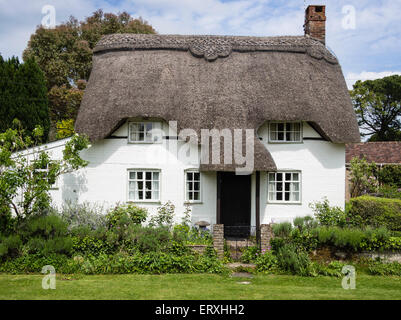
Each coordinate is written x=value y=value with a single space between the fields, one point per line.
x=315 y=22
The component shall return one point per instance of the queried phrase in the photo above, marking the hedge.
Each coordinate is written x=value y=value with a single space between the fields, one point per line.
x=376 y=212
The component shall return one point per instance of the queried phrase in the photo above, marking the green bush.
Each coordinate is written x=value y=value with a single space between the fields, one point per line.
x=250 y=254
x=127 y=213
x=282 y=229
x=389 y=191
x=85 y=215
x=291 y=259
x=35 y=263
x=266 y=262
x=164 y=216
x=390 y=175
x=328 y=215
x=10 y=246
x=375 y=212
x=333 y=269
x=384 y=269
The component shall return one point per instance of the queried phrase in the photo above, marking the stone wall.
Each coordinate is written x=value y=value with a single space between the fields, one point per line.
x=218 y=239
x=266 y=234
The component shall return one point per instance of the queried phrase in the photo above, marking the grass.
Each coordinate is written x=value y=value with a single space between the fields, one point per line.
x=197 y=287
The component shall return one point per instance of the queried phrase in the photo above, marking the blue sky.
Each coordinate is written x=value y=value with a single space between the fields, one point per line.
x=372 y=49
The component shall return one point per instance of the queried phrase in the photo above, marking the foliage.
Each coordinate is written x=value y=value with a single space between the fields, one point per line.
x=291 y=259
x=384 y=269
x=65 y=129
x=128 y=212
x=250 y=254
x=362 y=177
x=119 y=263
x=23 y=96
x=81 y=215
x=389 y=175
x=376 y=212
x=266 y=262
x=64 y=54
x=327 y=215
x=332 y=269
x=164 y=216
x=377 y=104
x=25 y=180
x=282 y=229
x=389 y=191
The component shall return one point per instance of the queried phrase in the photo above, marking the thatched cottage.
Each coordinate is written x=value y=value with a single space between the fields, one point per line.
x=280 y=104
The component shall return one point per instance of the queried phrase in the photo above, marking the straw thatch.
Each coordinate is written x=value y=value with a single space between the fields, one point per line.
x=206 y=82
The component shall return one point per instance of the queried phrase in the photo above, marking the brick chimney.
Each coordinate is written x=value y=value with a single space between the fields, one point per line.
x=315 y=22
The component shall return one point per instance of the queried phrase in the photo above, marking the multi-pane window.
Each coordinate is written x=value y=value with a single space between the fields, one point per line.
x=144 y=132
x=144 y=185
x=42 y=171
x=284 y=186
x=285 y=132
x=193 y=186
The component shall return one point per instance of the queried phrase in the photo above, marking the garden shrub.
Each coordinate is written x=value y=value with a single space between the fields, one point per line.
x=389 y=175
x=127 y=213
x=384 y=269
x=291 y=259
x=250 y=254
x=282 y=229
x=10 y=246
x=164 y=215
x=266 y=262
x=376 y=212
x=328 y=215
x=85 y=215
x=389 y=191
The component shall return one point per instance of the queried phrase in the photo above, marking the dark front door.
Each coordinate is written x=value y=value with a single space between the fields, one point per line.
x=235 y=193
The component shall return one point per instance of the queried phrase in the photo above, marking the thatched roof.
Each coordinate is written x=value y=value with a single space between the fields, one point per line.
x=206 y=82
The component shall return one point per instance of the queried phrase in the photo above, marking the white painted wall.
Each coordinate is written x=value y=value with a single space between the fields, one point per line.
x=104 y=181
x=322 y=166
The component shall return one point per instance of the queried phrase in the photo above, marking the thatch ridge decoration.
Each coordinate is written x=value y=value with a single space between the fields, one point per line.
x=212 y=47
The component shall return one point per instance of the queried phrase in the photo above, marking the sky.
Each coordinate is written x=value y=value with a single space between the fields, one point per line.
x=365 y=35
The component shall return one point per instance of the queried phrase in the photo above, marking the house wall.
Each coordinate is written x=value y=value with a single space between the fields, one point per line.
x=322 y=166
x=105 y=180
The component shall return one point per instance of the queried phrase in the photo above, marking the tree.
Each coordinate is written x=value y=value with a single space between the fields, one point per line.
x=23 y=95
x=65 y=55
x=25 y=181
x=377 y=104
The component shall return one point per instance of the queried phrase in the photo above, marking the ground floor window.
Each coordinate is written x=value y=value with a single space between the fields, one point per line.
x=192 y=186
x=144 y=185
x=284 y=186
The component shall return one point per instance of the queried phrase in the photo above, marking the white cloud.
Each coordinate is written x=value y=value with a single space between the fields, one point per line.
x=351 y=77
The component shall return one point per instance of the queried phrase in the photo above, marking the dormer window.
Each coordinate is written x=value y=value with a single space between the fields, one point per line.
x=285 y=132
x=144 y=132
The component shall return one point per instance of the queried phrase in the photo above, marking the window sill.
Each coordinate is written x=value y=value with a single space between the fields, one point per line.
x=144 y=201
x=193 y=202
x=284 y=202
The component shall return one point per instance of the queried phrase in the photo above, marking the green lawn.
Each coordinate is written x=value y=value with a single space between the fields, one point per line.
x=201 y=287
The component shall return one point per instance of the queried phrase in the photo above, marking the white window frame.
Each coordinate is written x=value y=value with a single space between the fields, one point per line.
x=285 y=132
x=187 y=200
x=155 y=137
x=53 y=186
x=144 y=171
x=283 y=181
